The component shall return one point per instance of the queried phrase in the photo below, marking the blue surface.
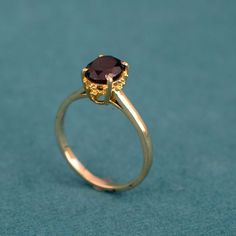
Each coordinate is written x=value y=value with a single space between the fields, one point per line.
x=182 y=57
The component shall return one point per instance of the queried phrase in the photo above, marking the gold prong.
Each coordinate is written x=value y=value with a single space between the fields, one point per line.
x=125 y=63
x=109 y=89
x=84 y=71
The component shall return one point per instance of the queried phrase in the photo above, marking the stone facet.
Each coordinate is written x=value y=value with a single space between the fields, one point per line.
x=104 y=66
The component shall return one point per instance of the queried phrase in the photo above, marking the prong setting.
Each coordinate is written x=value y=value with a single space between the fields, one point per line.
x=96 y=90
x=125 y=63
x=109 y=89
x=84 y=71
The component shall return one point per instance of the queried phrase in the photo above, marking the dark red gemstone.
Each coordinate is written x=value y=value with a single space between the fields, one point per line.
x=100 y=68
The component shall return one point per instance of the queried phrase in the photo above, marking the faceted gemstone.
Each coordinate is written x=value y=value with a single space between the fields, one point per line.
x=104 y=66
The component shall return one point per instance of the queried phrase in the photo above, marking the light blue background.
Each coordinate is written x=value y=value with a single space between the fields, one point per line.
x=182 y=57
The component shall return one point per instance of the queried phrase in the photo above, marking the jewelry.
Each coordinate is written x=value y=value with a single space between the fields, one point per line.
x=103 y=80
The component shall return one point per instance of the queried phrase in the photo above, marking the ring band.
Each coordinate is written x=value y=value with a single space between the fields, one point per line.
x=104 y=77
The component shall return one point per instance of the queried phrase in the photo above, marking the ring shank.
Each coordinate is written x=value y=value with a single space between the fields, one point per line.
x=121 y=102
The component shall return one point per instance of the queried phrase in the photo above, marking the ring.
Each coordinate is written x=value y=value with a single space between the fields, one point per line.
x=103 y=80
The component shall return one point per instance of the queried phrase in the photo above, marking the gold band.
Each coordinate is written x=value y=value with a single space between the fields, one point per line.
x=120 y=101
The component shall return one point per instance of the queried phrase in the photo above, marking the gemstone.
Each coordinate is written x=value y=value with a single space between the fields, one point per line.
x=104 y=66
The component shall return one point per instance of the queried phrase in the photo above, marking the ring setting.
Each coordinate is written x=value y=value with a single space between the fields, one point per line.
x=104 y=75
x=103 y=80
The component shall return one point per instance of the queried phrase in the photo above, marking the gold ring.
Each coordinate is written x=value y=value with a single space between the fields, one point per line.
x=103 y=80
